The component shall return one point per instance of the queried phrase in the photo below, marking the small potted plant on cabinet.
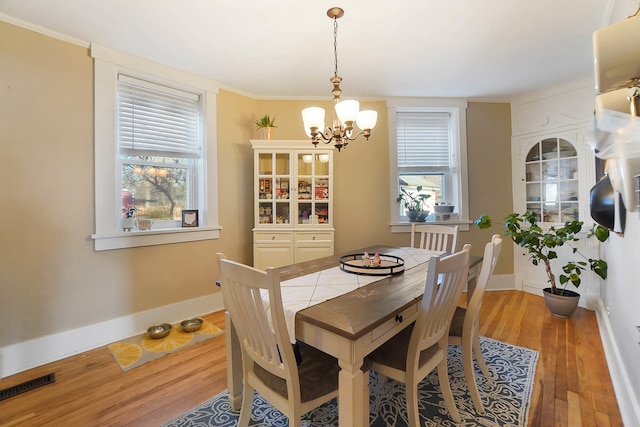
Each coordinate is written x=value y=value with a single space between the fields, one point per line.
x=541 y=247
x=266 y=123
x=415 y=204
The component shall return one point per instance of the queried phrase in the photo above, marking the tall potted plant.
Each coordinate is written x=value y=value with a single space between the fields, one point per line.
x=266 y=123
x=415 y=204
x=541 y=246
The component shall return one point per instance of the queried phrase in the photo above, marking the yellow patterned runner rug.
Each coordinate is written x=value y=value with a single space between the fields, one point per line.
x=139 y=349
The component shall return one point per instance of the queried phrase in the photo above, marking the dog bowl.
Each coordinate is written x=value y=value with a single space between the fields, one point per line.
x=191 y=325
x=159 y=331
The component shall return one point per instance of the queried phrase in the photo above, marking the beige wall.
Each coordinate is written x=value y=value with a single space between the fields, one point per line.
x=52 y=280
x=489 y=154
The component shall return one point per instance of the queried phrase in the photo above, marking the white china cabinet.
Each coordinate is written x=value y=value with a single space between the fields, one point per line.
x=293 y=189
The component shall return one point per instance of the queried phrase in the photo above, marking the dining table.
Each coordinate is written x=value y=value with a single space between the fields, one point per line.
x=348 y=326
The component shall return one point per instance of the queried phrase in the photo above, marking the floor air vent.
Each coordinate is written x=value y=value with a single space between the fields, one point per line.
x=26 y=386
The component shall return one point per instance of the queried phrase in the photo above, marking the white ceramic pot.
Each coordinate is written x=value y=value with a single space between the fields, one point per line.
x=127 y=224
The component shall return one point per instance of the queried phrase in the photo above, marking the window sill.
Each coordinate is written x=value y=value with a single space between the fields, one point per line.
x=405 y=227
x=132 y=239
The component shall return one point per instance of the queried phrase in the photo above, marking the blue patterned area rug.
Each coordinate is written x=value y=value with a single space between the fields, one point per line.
x=506 y=394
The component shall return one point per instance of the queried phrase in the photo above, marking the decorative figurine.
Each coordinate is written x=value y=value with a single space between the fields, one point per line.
x=376 y=260
x=366 y=261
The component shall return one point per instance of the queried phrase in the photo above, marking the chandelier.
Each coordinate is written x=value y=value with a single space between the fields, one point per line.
x=346 y=112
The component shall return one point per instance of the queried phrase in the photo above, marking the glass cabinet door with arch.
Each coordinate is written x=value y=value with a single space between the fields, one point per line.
x=551 y=176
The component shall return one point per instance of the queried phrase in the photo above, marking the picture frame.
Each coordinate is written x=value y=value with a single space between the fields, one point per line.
x=190 y=218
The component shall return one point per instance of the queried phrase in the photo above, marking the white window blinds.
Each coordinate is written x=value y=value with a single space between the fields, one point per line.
x=157 y=120
x=423 y=139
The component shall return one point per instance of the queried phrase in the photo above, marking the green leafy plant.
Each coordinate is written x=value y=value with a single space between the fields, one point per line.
x=266 y=121
x=541 y=246
x=411 y=201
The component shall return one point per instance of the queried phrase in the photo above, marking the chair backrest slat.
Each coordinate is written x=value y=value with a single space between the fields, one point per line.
x=435 y=237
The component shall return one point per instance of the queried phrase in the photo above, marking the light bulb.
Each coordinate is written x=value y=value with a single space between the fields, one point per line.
x=347 y=111
x=367 y=119
x=313 y=117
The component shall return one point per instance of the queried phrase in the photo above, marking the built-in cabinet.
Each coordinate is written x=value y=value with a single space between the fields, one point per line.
x=553 y=170
x=552 y=179
x=293 y=188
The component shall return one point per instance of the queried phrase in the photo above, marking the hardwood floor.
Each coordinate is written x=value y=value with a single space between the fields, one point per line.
x=572 y=385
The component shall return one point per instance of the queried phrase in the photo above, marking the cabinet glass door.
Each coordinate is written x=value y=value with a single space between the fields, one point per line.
x=551 y=170
x=274 y=186
x=313 y=188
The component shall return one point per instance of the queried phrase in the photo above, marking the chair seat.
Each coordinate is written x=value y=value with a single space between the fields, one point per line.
x=318 y=375
x=393 y=353
x=457 y=322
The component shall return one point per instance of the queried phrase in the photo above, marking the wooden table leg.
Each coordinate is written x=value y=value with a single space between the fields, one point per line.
x=350 y=399
x=234 y=364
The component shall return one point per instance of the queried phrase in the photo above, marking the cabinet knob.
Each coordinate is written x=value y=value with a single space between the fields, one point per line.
x=399 y=318
x=313 y=238
x=273 y=237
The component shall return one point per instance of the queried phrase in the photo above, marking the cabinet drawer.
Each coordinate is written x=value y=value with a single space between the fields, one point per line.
x=408 y=316
x=314 y=237
x=273 y=237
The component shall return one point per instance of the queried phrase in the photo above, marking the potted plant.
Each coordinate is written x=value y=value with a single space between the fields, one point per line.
x=266 y=123
x=541 y=246
x=415 y=204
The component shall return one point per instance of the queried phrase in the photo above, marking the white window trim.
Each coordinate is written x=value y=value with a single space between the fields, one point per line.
x=107 y=64
x=458 y=109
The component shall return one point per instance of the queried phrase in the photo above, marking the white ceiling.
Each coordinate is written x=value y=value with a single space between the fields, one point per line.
x=489 y=49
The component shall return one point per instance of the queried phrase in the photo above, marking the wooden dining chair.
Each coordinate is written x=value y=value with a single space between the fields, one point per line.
x=419 y=348
x=268 y=361
x=464 y=325
x=435 y=237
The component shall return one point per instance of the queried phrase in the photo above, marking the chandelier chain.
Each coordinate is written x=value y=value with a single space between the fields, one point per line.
x=335 y=46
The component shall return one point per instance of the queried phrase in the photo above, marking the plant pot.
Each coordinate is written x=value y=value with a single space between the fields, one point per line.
x=417 y=216
x=561 y=305
x=267 y=132
x=126 y=224
x=443 y=208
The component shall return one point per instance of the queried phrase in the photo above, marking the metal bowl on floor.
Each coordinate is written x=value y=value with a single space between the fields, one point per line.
x=191 y=325
x=159 y=331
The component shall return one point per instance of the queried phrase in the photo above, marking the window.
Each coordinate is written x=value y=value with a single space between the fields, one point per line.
x=160 y=150
x=428 y=151
x=155 y=151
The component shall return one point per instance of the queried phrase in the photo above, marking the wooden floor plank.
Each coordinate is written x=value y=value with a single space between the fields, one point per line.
x=574 y=415
x=561 y=414
x=90 y=388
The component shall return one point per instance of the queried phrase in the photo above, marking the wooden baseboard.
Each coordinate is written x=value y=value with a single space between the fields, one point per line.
x=25 y=355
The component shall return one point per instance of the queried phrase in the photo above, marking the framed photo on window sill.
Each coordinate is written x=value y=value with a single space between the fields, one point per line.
x=190 y=218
